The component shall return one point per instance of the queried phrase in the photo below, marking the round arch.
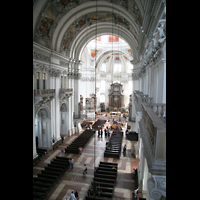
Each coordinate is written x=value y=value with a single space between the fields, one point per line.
x=89 y=32
x=42 y=127
x=63 y=107
x=45 y=110
x=102 y=57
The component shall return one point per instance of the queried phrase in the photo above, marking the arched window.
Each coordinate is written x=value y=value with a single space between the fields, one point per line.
x=103 y=67
x=102 y=98
x=117 y=67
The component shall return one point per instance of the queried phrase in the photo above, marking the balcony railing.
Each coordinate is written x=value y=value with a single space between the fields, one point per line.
x=153 y=133
x=43 y=96
x=65 y=93
x=140 y=98
x=159 y=109
x=152 y=123
x=44 y=93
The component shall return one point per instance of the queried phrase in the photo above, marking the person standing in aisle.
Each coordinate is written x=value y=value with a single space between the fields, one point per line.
x=76 y=195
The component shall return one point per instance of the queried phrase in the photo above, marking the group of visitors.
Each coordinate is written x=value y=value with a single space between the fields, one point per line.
x=106 y=132
x=73 y=196
x=92 y=189
x=90 y=127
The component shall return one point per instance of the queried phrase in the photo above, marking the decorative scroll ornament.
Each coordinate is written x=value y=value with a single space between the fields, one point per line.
x=157 y=187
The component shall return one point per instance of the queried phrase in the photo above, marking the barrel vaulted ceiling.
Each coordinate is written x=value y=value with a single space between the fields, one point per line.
x=66 y=26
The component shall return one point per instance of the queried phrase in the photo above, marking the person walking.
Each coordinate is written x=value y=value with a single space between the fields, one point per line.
x=62 y=152
x=72 y=163
x=84 y=169
x=80 y=150
x=72 y=196
x=124 y=149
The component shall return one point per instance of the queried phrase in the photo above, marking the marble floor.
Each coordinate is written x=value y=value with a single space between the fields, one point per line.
x=73 y=179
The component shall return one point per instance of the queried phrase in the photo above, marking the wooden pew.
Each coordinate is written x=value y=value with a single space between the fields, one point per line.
x=104 y=180
x=115 y=145
x=42 y=185
x=107 y=169
x=44 y=151
x=105 y=176
x=107 y=185
x=51 y=173
x=53 y=169
x=106 y=172
x=66 y=165
x=41 y=152
x=108 y=166
x=111 y=151
x=96 y=198
x=44 y=180
x=81 y=141
x=51 y=177
x=56 y=166
x=65 y=162
x=111 y=155
x=38 y=196
x=98 y=123
x=100 y=195
x=41 y=190
x=57 y=143
x=109 y=163
x=62 y=158
x=36 y=160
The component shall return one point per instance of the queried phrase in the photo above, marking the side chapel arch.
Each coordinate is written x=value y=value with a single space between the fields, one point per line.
x=42 y=127
x=63 y=120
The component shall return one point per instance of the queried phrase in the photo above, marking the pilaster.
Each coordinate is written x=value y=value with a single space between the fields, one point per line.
x=57 y=108
x=34 y=142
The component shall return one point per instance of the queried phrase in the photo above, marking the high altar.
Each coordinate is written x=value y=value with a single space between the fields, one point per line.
x=116 y=97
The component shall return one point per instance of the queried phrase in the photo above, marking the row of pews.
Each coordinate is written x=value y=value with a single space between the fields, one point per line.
x=41 y=153
x=98 y=123
x=80 y=141
x=57 y=143
x=103 y=184
x=45 y=181
x=114 y=145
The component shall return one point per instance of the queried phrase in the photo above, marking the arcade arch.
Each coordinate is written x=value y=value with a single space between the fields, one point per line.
x=63 y=120
x=42 y=128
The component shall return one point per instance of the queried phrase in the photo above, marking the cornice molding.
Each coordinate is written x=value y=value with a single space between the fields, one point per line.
x=37 y=48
